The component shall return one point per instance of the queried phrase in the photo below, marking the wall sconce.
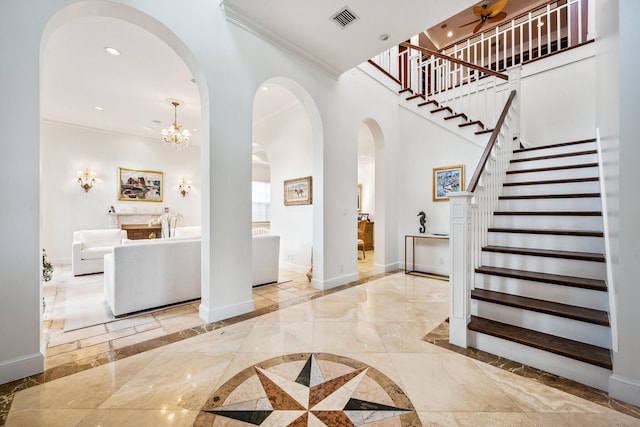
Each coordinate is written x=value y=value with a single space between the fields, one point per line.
x=184 y=187
x=86 y=178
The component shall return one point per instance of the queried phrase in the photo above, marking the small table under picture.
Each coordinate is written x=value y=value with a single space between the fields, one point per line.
x=429 y=238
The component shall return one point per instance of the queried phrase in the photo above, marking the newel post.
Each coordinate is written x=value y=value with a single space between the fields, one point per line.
x=461 y=266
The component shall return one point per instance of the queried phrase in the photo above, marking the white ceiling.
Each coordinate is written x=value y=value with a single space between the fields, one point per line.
x=134 y=88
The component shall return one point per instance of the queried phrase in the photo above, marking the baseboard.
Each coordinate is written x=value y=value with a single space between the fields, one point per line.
x=624 y=389
x=300 y=269
x=21 y=367
x=221 y=313
x=335 y=282
x=387 y=268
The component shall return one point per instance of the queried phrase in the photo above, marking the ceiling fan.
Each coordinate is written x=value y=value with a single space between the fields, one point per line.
x=488 y=13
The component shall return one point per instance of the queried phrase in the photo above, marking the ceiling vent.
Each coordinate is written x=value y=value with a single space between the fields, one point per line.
x=344 y=17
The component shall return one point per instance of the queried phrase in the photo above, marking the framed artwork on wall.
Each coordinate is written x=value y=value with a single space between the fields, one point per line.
x=448 y=179
x=298 y=191
x=140 y=185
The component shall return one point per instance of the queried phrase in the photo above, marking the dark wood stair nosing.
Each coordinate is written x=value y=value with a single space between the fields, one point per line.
x=587 y=353
x=562 y=144
x=554 y=168
x=412 y=97
x=550 y=196
x=481 y=132
x=549 y=213
x=547 y=253
x=474 y=122
x=579 y=233
x=554 y=279
x=553 y=181
x=583 y=314
x=455 y=116
x=555 y=156
x=431 y=101
x=437 y=110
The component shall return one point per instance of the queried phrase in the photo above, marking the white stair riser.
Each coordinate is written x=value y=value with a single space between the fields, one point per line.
x=577 y=204
x=563 y=294
x=553 y=325
x=581 y=372
x=564 y=267
x=555 y=150
x=543 y=189
x=558 y=161
x=560 y=222
x=547 y=241
x=553 y=174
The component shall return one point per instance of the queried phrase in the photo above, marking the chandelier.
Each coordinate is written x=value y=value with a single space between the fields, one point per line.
x=175 y=137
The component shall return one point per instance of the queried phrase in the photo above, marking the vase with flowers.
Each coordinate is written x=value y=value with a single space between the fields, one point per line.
x=168 y=222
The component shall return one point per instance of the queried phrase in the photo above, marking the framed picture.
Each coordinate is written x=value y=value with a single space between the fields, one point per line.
x=449 y=179
x=359 y=197
x=140 y=185
x=298 y=191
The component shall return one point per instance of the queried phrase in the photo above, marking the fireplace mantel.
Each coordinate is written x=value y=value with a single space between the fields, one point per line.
x=118 y=218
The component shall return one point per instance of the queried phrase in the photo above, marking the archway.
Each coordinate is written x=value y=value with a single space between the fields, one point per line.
x=285 y=122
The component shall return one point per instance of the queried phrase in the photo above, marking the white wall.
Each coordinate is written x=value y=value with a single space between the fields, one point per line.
x=367 y=170
x=426 y=146
x=558 y=102
x=286 y=137
x=66 y=207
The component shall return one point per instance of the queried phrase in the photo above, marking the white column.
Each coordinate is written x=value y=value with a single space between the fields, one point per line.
x=461 y=266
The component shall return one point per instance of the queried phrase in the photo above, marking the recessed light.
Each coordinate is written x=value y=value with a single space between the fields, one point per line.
x=97 y=107
x=384 y=37
x=112 y=51
x=195 y=129
x=450 y=34
x=265 y=88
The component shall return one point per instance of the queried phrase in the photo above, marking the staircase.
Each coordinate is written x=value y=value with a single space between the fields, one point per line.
x=540 y=294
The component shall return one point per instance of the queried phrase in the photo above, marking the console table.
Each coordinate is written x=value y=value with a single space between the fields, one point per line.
x=429 y=238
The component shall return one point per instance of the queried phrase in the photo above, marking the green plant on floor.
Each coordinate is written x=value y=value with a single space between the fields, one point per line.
x=47 y=268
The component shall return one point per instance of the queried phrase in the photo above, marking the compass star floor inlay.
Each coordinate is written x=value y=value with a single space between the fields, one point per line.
x=306 y=389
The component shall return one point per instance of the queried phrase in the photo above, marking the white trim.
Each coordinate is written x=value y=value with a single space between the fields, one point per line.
x=221 y=313
x=624 y=389
x=611 y=284
x=253 y=27
x=296 y=268
x=387 y=268
x=21 y=367
x=335 y=282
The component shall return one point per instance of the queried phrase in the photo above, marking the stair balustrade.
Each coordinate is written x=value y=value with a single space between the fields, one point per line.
x=471 y=213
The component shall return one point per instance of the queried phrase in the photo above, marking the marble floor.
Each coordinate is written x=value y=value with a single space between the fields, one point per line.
x=351 y=356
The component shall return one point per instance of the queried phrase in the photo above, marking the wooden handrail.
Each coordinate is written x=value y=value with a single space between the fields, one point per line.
x=456 y=60
x=487 y=150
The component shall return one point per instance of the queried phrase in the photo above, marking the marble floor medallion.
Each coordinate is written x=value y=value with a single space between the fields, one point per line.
x=306 y=389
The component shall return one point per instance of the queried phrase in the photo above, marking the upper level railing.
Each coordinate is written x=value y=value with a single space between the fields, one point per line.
x=465 y=76
x=557 y=25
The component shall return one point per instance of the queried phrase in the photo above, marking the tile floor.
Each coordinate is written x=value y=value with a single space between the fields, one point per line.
x=367 y=343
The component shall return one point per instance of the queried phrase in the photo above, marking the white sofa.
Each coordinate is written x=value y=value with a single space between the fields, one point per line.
x=265 y=251
x=145 y=274
x=188 y=232
x=90 y=246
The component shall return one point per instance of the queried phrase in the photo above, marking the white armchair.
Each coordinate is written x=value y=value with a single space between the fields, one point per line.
x=90 y=246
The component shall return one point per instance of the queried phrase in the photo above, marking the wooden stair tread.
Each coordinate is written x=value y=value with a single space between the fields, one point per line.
x=409 y=98
x=437 y=110
x=550 y=213
x=555 y=156
x=554 y=168
x=589 y=315
x=550 y=196
x=405 y=90
x=587 y=353
x=576 y=282
x=582 y=256
x=431 y=101
x=480 y=132
x=552 y=181
x=543 y=231
x=562 y=144
x=455 y=116
x=475 y=122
